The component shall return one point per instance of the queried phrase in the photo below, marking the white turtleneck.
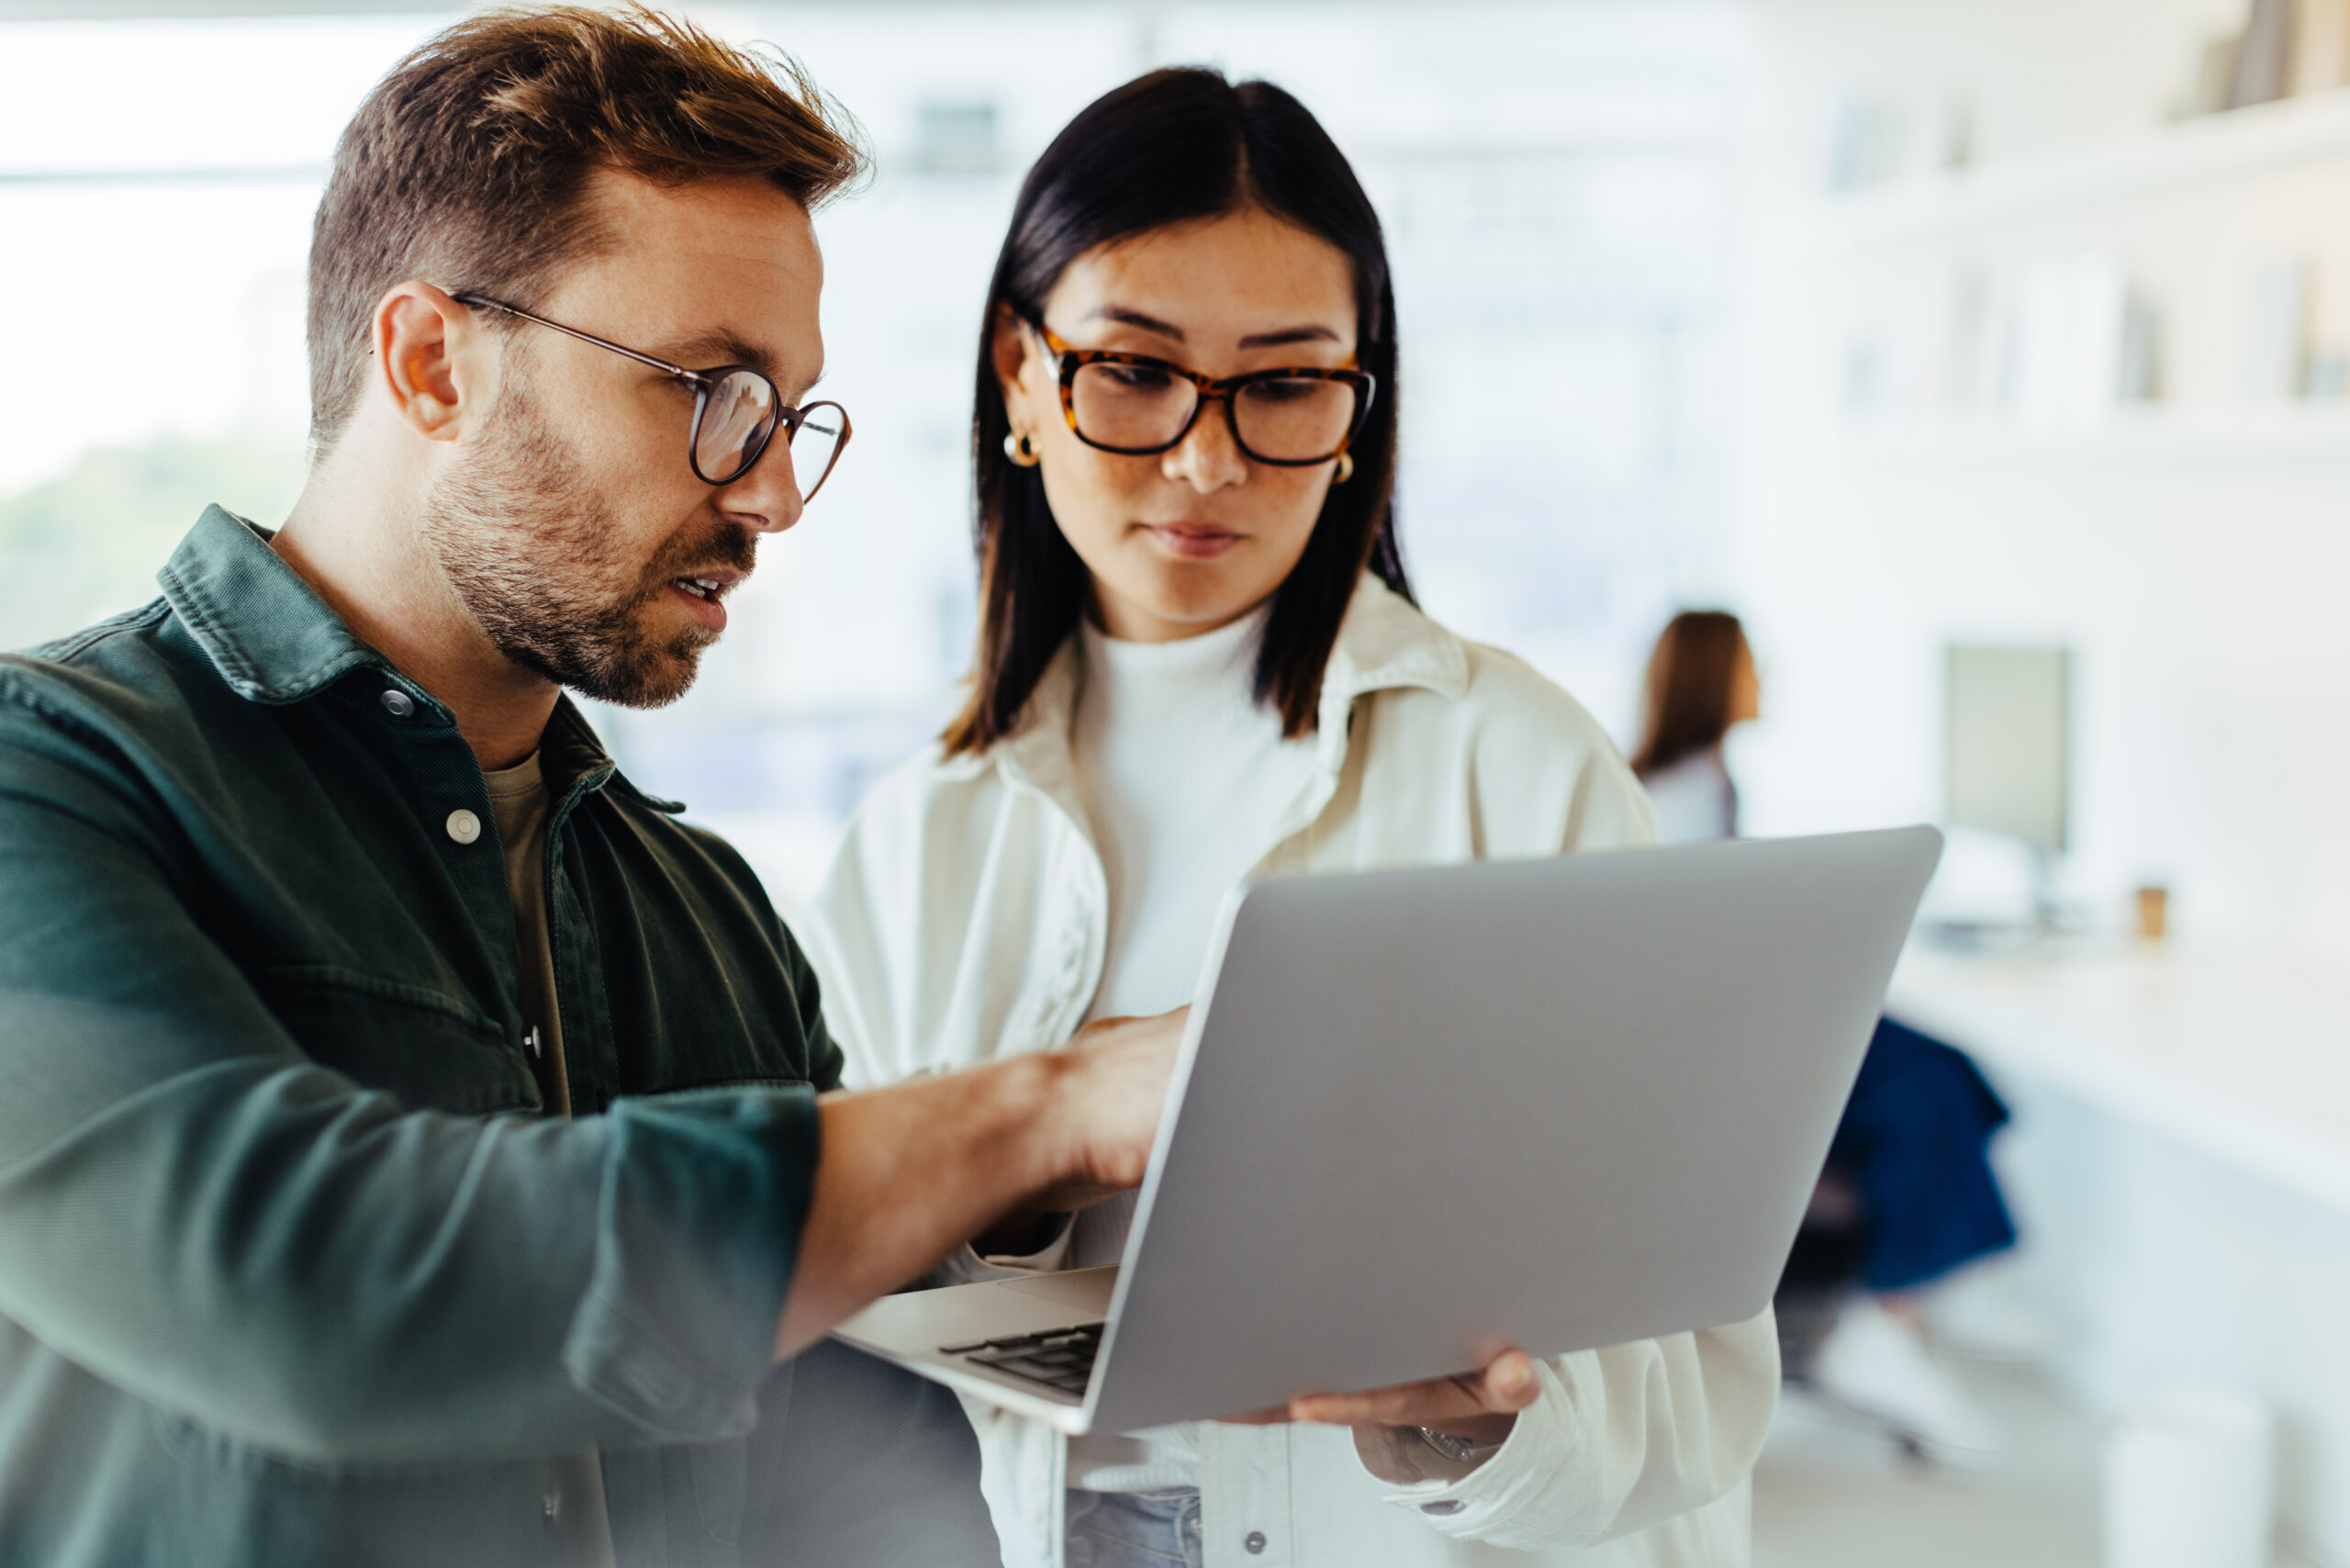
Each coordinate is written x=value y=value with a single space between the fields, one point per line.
x=1185 y=778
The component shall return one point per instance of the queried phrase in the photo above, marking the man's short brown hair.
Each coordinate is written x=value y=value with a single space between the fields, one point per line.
x=468 y=166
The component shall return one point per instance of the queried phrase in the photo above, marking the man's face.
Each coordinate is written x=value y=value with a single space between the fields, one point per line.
x=573 y=526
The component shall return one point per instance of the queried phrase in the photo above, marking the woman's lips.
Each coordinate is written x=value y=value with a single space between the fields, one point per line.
x=1192 y=541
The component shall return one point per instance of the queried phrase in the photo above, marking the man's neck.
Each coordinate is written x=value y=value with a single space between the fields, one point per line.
x=354 y=538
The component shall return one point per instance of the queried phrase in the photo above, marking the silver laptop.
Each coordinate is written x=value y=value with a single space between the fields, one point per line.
x=1421 y=1116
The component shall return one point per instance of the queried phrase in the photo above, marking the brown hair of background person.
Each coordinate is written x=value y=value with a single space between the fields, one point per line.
x=468 y=165
x=1691 y=679
x=1171 y=147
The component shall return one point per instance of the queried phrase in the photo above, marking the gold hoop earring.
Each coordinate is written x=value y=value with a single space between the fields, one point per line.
x=1020 y=449
x=1346 y=468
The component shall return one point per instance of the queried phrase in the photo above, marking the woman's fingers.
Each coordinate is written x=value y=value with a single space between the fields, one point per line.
x=1509 y=1381
x=1271 y=1416
x=1505 y=1385
x=1432 y=1403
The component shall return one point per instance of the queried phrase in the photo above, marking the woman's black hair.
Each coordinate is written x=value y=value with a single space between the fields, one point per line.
x=1167 y=148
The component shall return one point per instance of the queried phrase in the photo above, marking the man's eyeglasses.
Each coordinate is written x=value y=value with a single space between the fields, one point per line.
x=1132 y=404
x=736 y=412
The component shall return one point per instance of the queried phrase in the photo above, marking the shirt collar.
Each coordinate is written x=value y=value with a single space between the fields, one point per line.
x=1385 y=641
x=1038 y=752
x=272 y=639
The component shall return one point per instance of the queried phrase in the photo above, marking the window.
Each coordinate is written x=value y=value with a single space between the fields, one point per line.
x=1555 y=180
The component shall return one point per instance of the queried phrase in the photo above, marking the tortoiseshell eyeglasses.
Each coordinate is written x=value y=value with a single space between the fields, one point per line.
x=1136 y=405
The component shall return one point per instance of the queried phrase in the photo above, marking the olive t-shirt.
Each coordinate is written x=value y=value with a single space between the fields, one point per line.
x=518 y=797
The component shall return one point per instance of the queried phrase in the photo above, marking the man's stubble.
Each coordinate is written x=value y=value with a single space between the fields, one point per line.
x=536 y=557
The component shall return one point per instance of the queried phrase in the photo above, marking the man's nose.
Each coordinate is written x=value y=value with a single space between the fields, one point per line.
x=1207 y=458
x=766 y=499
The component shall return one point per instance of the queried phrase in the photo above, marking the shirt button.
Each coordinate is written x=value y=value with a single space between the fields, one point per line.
x=1255 y=1541
x=1443 y=1506
x=398 y=703
x=462 y=826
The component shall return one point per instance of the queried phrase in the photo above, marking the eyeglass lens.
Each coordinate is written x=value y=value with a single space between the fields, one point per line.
x=739 y=419
x=815 y=444
x=1286 y=419
x=738 y=415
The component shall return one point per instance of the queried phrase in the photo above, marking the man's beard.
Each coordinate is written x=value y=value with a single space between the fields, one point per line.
x=535 y=556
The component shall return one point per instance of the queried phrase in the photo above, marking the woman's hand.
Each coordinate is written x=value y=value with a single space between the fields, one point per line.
x=1481 y=1407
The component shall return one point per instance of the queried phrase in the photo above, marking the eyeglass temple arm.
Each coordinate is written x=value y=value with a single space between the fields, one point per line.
x=483 y=301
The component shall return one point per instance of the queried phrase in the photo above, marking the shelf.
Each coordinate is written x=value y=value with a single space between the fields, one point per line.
x=2319 y=433
x=2260 y=139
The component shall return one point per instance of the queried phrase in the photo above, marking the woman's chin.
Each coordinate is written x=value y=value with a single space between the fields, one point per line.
x=1189 y=606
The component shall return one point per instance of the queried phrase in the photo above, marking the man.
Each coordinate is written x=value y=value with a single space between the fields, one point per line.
x=415 y=1145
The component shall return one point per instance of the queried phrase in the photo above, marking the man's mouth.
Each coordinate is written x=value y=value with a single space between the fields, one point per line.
x=703 y=595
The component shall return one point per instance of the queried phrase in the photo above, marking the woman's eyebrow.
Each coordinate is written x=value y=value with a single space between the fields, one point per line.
x=1127 y=316
x=1289 y=335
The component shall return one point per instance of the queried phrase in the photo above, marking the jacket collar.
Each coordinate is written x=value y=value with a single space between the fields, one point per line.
x=1385 y=643
x=272 y=639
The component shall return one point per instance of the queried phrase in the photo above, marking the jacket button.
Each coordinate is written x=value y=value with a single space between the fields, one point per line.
x=1443 y=1506
x=1255 y=1541
x=398 y=703
x=462 y=826
x=551 y=1505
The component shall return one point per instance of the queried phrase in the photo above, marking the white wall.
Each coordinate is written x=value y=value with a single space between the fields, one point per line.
x=2196 y=554
x=2200 y=565
x=2171 y=1267
x=2041 y=74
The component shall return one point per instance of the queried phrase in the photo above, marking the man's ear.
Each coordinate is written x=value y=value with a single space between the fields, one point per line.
x=1012 y=346
x=430 y=354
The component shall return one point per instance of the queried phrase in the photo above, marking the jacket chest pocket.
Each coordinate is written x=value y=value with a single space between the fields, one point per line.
x=430 y=1049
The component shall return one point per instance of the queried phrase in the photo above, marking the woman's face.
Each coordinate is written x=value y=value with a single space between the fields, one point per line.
x=1195 y=537
x=1745 y=687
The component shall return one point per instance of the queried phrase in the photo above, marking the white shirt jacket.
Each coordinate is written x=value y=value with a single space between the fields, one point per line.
x=965 y=920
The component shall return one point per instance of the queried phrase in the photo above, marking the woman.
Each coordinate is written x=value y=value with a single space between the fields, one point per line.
x=1701 y=683
x=1199 y=661
x=1909 y=1195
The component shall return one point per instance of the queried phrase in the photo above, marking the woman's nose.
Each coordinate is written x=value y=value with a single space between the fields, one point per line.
x=1207 y=458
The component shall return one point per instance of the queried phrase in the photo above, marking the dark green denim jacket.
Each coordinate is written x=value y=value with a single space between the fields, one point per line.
x=289 y=1271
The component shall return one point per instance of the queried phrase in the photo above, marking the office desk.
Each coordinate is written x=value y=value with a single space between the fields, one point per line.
x=2243 y=1054
x=2179 y=1165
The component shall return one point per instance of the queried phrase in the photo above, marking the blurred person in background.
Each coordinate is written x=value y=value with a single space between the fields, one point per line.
x=1909 y=1195
x=1199 y=662
x=419 y=1146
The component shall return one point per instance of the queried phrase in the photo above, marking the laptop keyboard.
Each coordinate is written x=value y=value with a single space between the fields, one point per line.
x=1060 y=1359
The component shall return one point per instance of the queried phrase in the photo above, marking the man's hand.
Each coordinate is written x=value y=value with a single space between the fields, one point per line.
x=1481 y=1407
x=1113 y=1093
x=907 y=1173
x=1033 y=1225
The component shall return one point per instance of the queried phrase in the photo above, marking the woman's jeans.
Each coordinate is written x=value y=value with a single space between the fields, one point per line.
x=1134 y=1530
